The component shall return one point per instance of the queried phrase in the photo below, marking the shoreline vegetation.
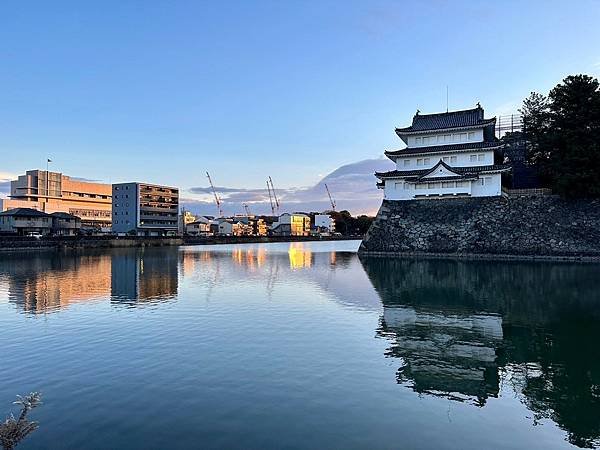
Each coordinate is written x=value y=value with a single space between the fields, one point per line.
x=14 y=429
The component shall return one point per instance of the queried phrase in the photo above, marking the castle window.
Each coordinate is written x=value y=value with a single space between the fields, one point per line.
x=419 y=161
x=471 y=135
x=426 y=161
x=453 y=159
x=406 y=162
x=473 y=158
x=480 y=157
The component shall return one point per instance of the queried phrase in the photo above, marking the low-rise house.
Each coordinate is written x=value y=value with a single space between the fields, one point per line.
x=65 y=224
x=200 y=227
x=296 y=224
x=324 y=224
x=231 y=228
x=24 y=221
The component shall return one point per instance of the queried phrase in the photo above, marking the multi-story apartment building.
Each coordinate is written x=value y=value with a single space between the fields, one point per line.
x=145 y=209
x=52 y=192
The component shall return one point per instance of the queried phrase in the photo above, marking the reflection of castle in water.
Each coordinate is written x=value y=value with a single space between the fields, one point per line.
x=451 y=355
x=462 y=329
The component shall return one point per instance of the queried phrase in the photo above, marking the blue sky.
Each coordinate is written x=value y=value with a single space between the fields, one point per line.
x=162 y=91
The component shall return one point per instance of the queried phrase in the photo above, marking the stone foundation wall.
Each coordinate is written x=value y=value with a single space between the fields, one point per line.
x=544 y=227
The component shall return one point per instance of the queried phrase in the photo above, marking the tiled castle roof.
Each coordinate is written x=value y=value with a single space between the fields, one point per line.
x=468 y=170
x=445 y=148
x=455 y=119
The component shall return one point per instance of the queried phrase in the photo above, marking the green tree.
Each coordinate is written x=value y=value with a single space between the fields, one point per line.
x=563 y=133
x=536 y=123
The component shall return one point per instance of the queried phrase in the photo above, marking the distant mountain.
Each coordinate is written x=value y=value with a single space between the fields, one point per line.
x=352 y=186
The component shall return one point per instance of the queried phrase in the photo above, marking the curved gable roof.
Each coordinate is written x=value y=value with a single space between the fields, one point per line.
x=439 y=121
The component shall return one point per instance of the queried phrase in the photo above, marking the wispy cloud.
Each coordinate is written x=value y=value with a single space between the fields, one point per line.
x=352 y=186
x=5 y=179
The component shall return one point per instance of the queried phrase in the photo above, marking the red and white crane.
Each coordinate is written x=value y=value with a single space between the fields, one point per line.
x=271 y=188
x=331 y=200
x=218 y=200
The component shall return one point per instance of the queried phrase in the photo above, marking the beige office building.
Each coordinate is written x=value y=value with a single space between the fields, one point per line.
x=54 y=192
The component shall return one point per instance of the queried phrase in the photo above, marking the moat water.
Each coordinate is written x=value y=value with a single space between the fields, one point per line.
x=300 y=345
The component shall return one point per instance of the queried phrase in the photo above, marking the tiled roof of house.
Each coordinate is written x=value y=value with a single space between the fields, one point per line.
x=445 y=148
x=455 y=119
x=24 y=212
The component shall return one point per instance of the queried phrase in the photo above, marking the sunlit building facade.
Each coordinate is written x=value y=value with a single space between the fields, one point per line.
x=53 y=192
x=145 y=209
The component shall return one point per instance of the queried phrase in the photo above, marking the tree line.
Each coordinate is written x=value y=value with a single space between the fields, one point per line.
x=562 y=131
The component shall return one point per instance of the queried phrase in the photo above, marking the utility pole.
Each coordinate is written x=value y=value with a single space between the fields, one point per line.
x=217 y=199
x=330 y=198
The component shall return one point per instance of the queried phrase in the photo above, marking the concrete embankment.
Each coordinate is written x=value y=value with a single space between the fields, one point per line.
x=81 y=242
x=497 y=228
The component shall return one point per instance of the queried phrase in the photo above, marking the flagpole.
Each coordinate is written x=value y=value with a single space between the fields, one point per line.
x=47 y=185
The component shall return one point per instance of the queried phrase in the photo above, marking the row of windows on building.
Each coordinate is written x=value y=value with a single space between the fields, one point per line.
x=445 y=138
x=90 y=212
x=483 y=181
x=84 y=195
x=447 y=159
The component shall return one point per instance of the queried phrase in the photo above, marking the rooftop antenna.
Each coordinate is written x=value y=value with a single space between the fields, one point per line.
x=277 y=204
x=330 y=198
x=446 y=98
x=217 y=199
x=271 y=198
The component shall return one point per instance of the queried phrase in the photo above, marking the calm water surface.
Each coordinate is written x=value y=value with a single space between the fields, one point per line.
x=300 y=345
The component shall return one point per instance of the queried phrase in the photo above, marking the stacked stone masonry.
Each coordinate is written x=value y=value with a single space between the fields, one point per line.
x=488 y=226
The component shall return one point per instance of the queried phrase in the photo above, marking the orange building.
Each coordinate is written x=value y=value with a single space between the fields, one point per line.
x=54 y=192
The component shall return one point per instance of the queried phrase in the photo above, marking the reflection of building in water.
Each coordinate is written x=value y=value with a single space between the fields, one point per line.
x=38 y=283
x=300 y=255
x=458 y=327
x=251 y=258
x=452 y=355
x=144 y=274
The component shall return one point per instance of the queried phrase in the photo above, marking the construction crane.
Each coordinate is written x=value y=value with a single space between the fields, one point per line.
x=331 y=200
x=217 y=199
x=274 y=195
x=247 y=209
x=270 y=198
